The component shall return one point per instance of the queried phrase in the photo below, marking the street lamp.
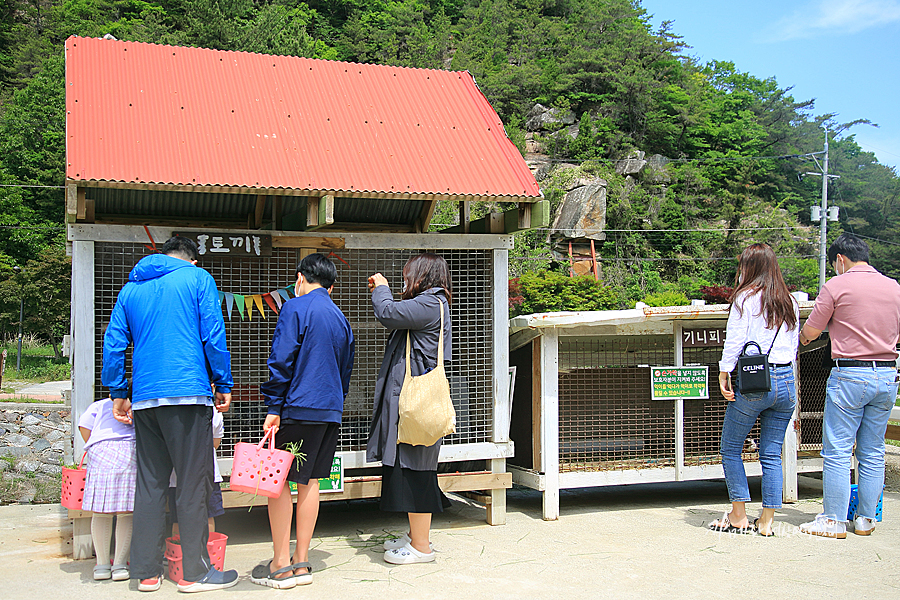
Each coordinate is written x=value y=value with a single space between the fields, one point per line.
x=18 y=270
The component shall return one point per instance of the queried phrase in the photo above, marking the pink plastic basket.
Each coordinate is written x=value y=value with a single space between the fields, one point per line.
x=215 y=546
x=260 y=471
x=73 y=486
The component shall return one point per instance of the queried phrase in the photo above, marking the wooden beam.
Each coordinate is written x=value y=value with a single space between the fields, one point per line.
x=524 y=215
x=260 y=210
x=276 y=212
x=71 y=203
x=107 y=220
x=80 y=211
x=370 y=487
x=319 y=212
x=425 y=218
x=464 y=217
x=296 y=241
x=892 y=433
x=89 y=210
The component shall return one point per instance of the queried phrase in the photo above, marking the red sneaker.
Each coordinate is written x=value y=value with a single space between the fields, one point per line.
x=150 y=585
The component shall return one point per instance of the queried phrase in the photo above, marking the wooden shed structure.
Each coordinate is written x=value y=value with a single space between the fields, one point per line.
x=264 y=159
x=583 y=413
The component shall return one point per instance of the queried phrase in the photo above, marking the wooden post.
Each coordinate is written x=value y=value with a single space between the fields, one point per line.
x=276 y=212
x=549 y=364
x=496 y=510
x=71 y=203
x=679 y=407
x=464 y=216
x=790 y=491
x=259 y=211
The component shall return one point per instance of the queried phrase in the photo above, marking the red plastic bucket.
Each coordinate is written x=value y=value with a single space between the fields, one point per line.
x=215 y=546
x=72 y=493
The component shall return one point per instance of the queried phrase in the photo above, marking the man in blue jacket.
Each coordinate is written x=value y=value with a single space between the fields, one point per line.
x=170 y=311
x=309 y=377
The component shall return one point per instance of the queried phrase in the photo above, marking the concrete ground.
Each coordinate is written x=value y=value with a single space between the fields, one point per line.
x=646 y=541
x=47 y=391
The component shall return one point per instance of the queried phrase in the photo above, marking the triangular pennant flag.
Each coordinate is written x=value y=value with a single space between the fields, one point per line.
x=257 y=299
x=270 y=302
x=248 y=302
x=229 y=302
x=284 y=294
x=221 y=297
x=239 y=300
x=274 y=295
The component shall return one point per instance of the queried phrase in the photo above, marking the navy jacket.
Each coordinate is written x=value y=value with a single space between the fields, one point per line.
x=311 y=360
x=170 y=310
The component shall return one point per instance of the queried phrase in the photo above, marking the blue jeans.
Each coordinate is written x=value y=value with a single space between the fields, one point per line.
x=774 y=410
x=858 y=402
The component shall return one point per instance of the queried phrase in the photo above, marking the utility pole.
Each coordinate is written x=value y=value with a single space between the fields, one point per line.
x=823 y=214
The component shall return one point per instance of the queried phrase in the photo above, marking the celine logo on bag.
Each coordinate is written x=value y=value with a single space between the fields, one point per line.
x=753 y=369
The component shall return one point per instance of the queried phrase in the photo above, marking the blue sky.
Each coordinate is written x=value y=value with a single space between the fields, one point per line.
x=842 y=53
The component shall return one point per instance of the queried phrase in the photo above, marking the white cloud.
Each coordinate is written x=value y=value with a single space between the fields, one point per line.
x=830 y=17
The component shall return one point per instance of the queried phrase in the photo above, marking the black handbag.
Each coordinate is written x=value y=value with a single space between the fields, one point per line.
x=753 y=369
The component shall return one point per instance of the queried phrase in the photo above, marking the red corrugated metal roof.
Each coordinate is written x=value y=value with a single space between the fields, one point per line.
x=149 y=114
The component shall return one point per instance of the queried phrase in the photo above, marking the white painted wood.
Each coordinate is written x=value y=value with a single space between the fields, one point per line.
x=527 y=478
x=427 y=241
x=679 y=406
x=82 y=542
x=496 y=510
x=83 y=320
x=501 y=346
x=449 y=453
x=790 y=493
x=550 y=422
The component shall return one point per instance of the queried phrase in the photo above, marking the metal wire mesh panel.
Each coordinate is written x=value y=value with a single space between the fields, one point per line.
x=249 y=341
x=703 y=418
x=606 y=418
x=814 y=372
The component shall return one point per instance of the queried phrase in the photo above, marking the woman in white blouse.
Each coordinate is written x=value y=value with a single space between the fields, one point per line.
x=762 y=311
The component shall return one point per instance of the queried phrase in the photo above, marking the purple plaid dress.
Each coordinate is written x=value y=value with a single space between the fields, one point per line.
x=111 y=477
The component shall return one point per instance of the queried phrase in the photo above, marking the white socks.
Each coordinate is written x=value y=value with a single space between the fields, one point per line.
x=124 y=522
x=101 y=532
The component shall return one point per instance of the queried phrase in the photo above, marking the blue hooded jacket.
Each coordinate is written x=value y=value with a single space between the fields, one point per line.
x=311 y=360
x=170 y=310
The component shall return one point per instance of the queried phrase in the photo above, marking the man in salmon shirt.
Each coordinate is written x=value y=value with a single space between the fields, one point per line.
x=861 y=310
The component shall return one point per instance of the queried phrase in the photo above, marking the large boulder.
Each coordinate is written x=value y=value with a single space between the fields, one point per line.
x=581 y=217
x=542 y=118
x=632 y=164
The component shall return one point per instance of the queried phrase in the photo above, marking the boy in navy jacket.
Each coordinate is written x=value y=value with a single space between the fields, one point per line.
x=309 y=377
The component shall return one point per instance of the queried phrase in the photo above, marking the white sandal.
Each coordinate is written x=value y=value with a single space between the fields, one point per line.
x=401 y=542
x=407 y=555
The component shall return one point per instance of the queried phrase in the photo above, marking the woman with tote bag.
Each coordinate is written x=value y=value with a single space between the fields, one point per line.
x=762 y=311
x=409 y=472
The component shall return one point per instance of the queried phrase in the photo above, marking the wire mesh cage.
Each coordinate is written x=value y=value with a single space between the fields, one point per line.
x=470 y=370
x=703 y=418
x=606 y=418
x=814 y=370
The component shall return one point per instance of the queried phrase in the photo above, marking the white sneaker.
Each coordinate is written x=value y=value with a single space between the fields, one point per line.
x=863 y=526
x=825 y=527
x=400 y=542
x=407 y=555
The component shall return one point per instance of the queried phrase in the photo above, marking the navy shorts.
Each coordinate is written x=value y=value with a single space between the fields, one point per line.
x=319 y=444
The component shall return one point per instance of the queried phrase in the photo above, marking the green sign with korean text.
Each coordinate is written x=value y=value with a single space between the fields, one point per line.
x=333 y=483
x=671 y=383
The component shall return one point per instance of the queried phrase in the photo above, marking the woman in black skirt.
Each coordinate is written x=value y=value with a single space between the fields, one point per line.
x=409 y=473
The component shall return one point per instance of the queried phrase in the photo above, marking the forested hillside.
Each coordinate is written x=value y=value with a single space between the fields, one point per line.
x=732 y=146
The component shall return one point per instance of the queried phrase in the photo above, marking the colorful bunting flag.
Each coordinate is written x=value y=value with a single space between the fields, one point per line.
x=270 y=302
x=229 y=301
x=239 y=300
x=257 y=299
x=274 y=295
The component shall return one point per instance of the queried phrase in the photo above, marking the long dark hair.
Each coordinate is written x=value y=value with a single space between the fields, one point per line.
x=426 y=271
x=758 y=273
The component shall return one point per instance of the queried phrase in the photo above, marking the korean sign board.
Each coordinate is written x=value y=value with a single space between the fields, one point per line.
x=332 y=483
x=700 y=338
x=672 y=383
x=213 y=244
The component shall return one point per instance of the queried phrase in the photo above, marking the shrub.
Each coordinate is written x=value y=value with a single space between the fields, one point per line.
x=666 y=299
x=716 y=294
x=547 y=291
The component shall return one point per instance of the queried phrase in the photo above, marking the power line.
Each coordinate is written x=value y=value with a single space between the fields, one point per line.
x=22 y=185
